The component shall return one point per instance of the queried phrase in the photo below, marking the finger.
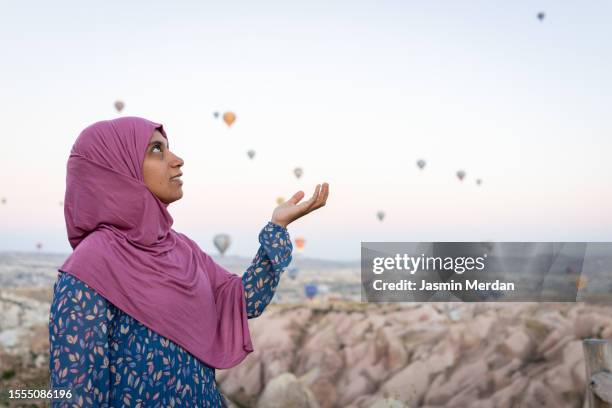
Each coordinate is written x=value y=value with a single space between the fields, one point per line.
x=306 y=205
x=322 y=197
x=325 y=193
x=316 y=195
x=296 y=197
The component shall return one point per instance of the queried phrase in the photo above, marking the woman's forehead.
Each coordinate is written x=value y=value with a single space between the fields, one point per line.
x=157 y=136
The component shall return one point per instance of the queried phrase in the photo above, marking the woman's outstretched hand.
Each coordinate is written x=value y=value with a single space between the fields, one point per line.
x=290 y=210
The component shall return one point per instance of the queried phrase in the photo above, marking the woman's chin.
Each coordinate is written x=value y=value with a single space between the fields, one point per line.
x=169 y=199
x=179 y=196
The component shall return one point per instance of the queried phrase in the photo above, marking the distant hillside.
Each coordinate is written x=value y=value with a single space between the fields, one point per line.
x=18 y=269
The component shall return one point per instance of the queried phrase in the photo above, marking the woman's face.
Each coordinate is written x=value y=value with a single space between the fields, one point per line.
x=161 y=168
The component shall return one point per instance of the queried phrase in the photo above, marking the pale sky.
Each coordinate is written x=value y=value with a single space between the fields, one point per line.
x=354 y=92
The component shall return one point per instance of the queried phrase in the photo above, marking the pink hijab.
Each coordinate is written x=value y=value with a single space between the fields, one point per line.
x=125 y=248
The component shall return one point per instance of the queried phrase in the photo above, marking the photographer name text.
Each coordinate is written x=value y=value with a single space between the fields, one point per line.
x=409 y=285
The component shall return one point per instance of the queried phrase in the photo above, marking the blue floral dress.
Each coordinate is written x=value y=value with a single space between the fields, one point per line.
x=111 y=359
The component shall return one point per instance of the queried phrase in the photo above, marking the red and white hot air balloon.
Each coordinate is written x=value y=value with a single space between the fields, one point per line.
x=299 y=244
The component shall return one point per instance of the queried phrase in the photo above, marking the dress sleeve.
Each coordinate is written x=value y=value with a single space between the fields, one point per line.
x=262 y=277
x=78 y=343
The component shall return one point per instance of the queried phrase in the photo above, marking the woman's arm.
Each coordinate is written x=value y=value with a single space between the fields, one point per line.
x=78 y=343
x=261 y=278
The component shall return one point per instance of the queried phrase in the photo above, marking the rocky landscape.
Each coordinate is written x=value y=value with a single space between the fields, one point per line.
x=349 y=354
x=24 y=341
x=345 y=354
x=425 y=355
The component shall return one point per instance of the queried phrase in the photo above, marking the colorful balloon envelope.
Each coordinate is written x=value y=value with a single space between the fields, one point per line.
x=119 y=105
x=310 y=290
x=229 y=118
x=300 y=242
x=293 y=273
x=222 y=242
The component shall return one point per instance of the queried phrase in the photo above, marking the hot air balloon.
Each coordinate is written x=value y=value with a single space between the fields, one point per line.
x=581 y=282
x=3 y=200
x=541 y=16
x=421 y=163
x=478 y=181
x=222 y=242
x=39 y=245
x=298 y=172
x=310 y=290
x=229 y=118
x=380 y=215
x=293 y=272
x=461 y=174
x=216 y=115
x=279 y=200
x=299 y=244
x=487 y=245
x=251 y=153
x=119 y=105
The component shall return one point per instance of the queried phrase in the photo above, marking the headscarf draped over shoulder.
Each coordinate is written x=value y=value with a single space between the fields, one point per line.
x=125 y=248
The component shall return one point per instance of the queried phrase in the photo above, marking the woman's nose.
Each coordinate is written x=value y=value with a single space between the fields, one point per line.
x=178 y=162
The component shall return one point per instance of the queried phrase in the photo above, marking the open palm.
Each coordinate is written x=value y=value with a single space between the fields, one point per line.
x=290 y=210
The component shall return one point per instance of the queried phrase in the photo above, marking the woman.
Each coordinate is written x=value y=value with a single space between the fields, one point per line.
x=141 y=316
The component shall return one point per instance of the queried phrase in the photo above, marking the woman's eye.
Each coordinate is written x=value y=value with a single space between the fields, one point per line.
x=157 y=146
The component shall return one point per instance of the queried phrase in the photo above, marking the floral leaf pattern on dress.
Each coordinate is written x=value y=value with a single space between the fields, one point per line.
x=109 y=359
x=261 y=278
